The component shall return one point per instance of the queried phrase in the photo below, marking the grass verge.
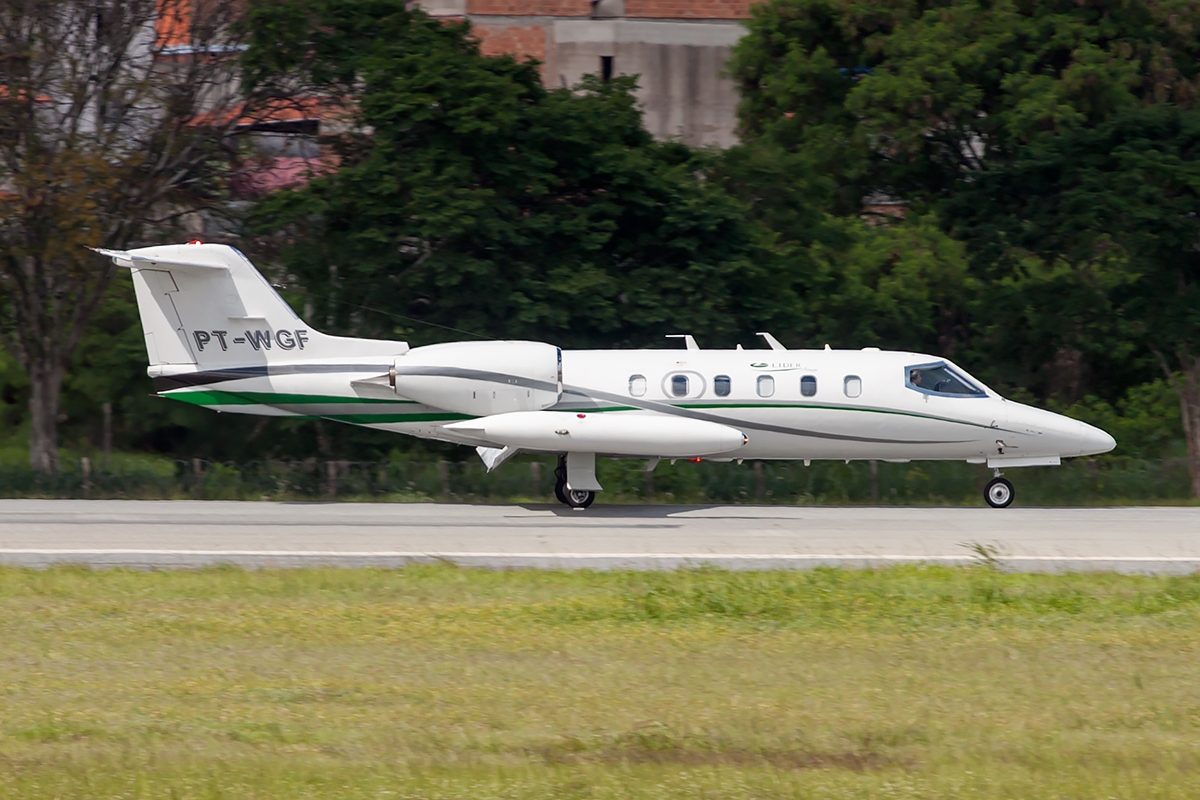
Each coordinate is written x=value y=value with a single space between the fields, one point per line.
x=437 y=682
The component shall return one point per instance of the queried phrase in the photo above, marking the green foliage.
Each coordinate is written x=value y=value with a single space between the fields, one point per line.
x=13 y=384
x=903 y=97
x=903 y=285
x=484 y=201
x=1056 y=142
x=1093 y=231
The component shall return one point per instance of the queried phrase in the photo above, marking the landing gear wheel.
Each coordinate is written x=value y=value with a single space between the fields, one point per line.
x=579 y=498
x=560 y=481
x=999 y=493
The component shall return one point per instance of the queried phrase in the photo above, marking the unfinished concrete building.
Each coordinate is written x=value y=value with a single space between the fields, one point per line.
x=677 y=48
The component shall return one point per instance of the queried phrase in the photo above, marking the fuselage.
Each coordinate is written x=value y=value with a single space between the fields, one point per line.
x=790 y=404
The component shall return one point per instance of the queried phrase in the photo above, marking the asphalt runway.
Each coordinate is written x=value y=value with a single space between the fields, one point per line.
x=188 y=534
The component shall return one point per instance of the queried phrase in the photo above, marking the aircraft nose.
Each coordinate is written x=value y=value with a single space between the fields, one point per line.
x=1093 y=441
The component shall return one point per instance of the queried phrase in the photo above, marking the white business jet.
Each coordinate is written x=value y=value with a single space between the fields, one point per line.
x=218 y=335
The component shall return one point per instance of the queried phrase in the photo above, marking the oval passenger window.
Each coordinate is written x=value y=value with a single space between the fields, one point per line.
x=679 y=385
x=721 y=385
x=808 y=385
x=852 y=386
x=637 y=385
x=766 y=386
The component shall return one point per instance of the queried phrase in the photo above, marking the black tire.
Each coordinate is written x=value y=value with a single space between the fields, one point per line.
x=578 y=498
x=999 y=493
x=560 y=481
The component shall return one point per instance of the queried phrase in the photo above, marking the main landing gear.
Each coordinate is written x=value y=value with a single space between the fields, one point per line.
x=999 y=492
x=575 y=498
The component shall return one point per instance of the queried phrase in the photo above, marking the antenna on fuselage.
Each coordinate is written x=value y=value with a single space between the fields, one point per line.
x=772 y=342
x=688 y=340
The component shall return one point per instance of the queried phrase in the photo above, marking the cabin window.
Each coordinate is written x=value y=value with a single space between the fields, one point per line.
x=852 y=385
x=722 y=385
x=808 y=385
x=766 y=386
x=637 y=385
x=679 y=385
x=940 y=379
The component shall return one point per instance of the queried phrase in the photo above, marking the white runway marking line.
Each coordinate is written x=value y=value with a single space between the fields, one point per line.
x=582 y=556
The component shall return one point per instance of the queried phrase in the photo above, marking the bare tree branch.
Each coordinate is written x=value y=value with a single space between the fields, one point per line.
x=114 y=121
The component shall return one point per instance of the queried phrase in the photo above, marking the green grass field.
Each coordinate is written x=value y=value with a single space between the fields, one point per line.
x=436 y=682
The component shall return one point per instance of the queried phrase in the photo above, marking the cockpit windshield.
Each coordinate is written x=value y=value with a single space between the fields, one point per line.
x=940 y=379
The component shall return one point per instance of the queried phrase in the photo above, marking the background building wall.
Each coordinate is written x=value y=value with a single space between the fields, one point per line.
x=677 y=48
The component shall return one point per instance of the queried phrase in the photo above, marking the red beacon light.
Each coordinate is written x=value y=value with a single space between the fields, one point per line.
x=195 y=241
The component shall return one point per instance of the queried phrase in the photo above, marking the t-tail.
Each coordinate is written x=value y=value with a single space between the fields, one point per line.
x=208 y=314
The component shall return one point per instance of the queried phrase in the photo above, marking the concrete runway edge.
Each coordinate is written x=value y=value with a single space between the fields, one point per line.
x=191 y=534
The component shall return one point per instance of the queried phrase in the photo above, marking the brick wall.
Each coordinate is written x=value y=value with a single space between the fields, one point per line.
x=520 y=40
x=528 y=8
x=688 y=9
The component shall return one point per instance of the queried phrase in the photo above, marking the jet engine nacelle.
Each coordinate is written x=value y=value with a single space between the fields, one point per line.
x=481 y=378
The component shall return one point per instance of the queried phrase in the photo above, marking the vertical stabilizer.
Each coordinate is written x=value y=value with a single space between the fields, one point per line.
x=205 y=306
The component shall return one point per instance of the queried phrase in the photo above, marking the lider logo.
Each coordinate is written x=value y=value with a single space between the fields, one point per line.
x=778 y=366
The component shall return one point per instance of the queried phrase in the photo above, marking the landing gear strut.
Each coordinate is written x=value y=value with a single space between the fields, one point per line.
x=575 y=498
x=999 y=492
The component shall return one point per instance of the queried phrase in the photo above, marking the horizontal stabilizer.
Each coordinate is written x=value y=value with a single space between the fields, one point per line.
x=123 y=258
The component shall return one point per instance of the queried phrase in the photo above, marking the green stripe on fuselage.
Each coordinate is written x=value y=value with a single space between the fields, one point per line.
x=214 y=397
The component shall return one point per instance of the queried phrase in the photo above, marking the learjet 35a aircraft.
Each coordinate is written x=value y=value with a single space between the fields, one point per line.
x=218 y=335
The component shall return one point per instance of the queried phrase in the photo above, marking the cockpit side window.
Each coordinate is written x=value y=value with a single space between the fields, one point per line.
x=940 y=379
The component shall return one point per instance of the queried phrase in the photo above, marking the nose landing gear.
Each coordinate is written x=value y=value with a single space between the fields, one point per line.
x=999 y=492
x=575 y=498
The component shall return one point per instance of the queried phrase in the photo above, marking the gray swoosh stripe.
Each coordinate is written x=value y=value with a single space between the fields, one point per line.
x=478 y=375
x=207 y=377
x=667 y=408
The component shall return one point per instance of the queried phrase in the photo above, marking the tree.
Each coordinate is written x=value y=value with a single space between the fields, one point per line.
x=806 y=166
x=469 y=196
x=1110 y=213
x=100 y=143
x=1053 y=139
